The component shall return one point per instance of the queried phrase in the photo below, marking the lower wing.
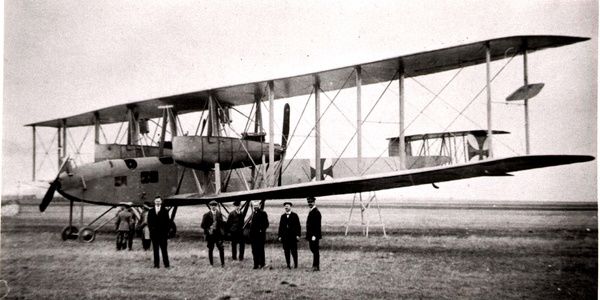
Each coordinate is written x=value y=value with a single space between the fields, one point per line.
x=375 y=182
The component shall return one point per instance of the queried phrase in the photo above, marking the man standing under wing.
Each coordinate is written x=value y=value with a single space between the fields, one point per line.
x=159 y=224
x=313 y=231
x=258 y=233
x=289 y=234
x=235 y=226
x=214 y=230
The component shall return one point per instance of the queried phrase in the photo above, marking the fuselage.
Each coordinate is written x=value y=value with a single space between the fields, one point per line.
x=110 y=182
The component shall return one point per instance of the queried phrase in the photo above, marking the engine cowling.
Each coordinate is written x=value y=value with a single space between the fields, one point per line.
x=203 y=152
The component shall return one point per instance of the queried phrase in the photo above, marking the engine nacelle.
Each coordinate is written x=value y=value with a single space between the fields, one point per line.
x=202 y=152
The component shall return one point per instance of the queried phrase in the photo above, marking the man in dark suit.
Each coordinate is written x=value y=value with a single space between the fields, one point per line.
x=313 y=231
x=258 y=234
x=159 y=224
x=289 y=234
x=214 y=232
x=235 y=226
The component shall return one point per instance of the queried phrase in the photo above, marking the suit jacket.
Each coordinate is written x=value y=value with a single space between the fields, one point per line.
x=289 y=227
x=235 y=222
x=159 y=223
x=207 y=222
x=124 y=220
x=313 y=224
x=259 y=225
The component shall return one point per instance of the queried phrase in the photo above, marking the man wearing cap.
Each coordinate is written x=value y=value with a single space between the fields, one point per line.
x=214 y=231
x=313 y=231
x=289 y=234
x=159 y=224
x=258 y=234
x=123 y=224
x=235 y=226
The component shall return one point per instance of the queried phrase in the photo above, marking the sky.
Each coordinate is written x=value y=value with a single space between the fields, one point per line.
x=67 y=57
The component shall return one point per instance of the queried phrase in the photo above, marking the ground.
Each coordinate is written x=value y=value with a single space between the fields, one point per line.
x=533 y=252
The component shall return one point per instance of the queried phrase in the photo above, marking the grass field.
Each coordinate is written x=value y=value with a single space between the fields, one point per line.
x=430 y=252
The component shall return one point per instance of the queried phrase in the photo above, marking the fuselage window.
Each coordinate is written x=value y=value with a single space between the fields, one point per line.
x=121 y=181
x=149 y=176
x=130 y=163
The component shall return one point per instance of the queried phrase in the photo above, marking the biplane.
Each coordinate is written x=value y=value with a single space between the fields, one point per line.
x=212 y=165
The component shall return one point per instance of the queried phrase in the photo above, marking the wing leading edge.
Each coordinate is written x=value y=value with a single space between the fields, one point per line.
x=493 y=167
x=415 y=64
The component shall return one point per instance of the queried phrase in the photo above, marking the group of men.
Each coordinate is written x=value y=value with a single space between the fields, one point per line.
x=216 y=231
x=126 y=225
x=157 y=224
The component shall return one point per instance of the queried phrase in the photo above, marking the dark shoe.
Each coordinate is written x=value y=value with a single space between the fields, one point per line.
x=255 y=267
x=289 y=267
x=315 y=269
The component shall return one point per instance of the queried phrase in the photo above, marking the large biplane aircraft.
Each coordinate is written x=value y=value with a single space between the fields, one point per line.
x=196 y=169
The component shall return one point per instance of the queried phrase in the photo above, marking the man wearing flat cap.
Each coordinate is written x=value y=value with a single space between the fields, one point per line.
x=258 y=234
x=289 y=234
x=214 y=231
x=313 y=231
x=235 y=226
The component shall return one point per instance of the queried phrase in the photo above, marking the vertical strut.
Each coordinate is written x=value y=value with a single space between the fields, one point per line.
x=318 y=175
x=217 y=178
x=358 y=119
x=489 y=97
x=401 y=142
x=65 y=144
x=59 y=147
x=163 y=132
x=271 y=94
x=33 y=160
x=96 y=128
x=526 y=102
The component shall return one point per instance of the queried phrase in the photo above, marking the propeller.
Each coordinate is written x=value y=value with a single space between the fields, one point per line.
x=54 y=185
x=285 y=133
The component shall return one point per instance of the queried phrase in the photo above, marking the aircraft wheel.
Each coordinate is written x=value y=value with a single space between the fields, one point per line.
x=69 y=233
x=87 y=235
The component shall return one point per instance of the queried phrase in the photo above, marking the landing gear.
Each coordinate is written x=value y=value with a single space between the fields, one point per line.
x=69 y=233
x=87 y=235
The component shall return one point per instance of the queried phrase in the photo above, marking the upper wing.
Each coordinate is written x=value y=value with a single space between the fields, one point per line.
x=493 y=167
x=285 y=87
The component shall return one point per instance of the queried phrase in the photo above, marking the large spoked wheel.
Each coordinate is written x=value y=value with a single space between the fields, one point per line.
x=87 y=235
x=69 y=233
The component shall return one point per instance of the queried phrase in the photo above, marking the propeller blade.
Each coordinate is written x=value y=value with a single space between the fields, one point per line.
x=53 y=186
x=285 y=133
x=286 y=126
x=49 y=195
